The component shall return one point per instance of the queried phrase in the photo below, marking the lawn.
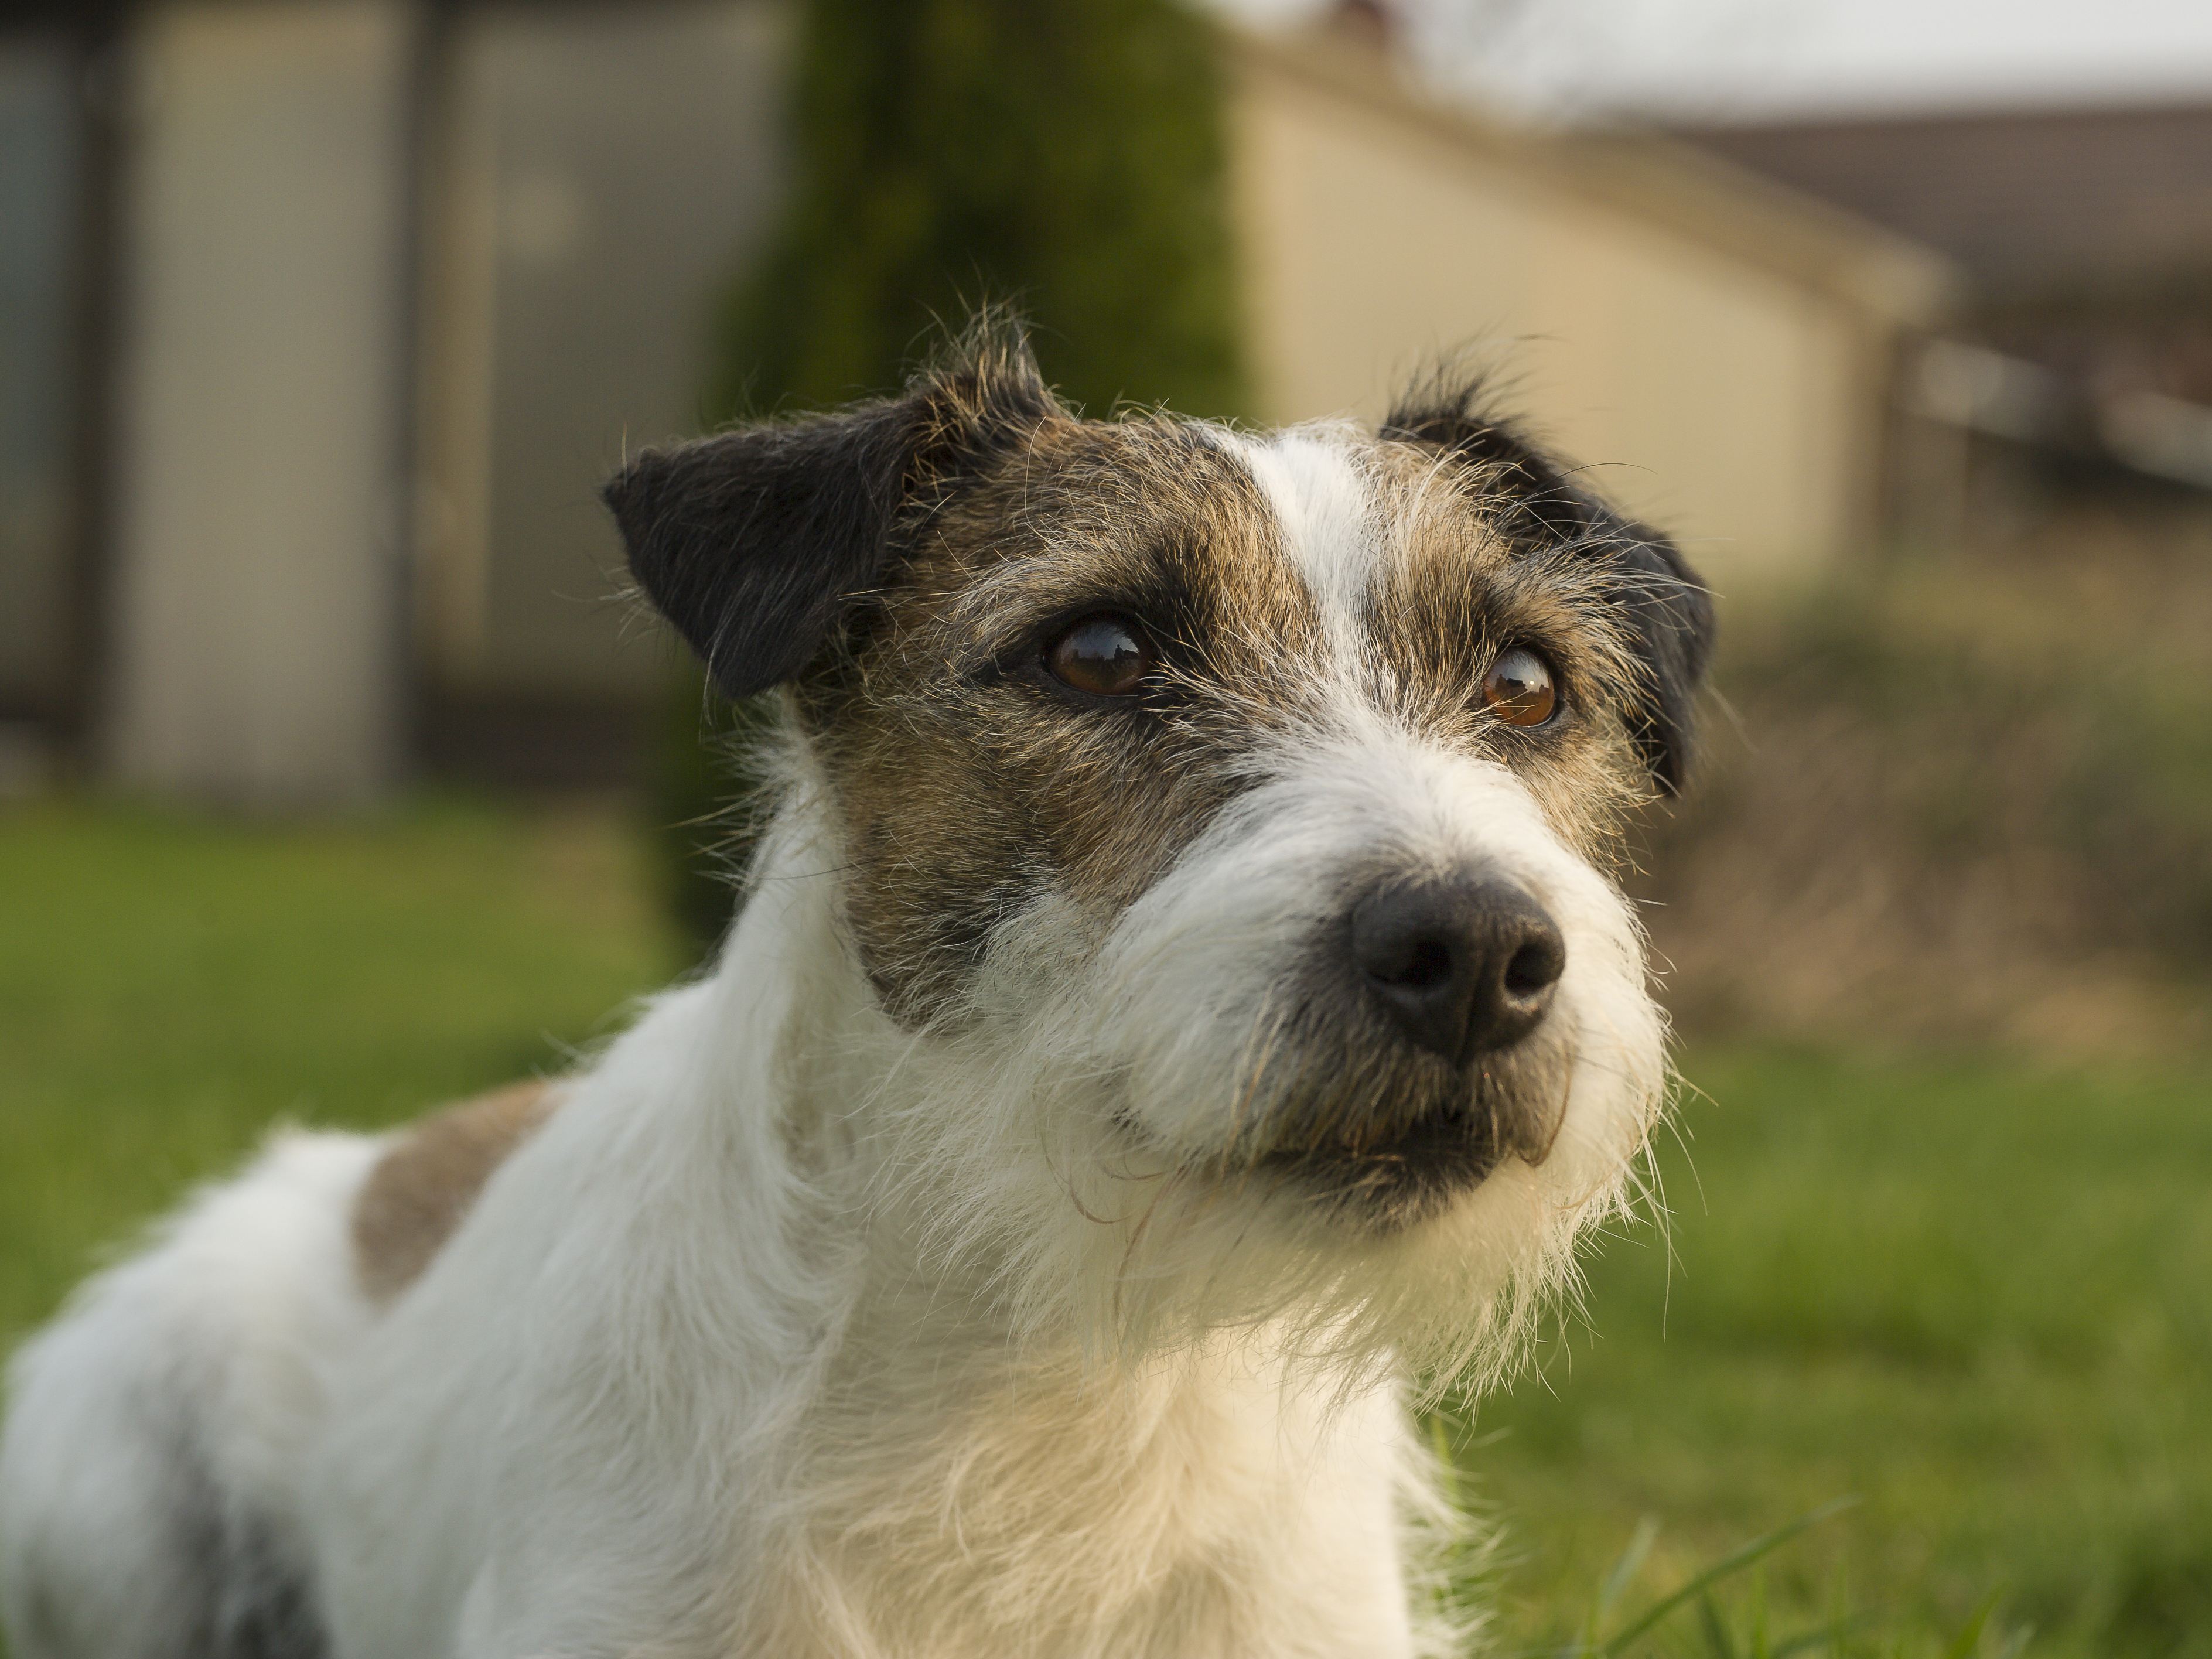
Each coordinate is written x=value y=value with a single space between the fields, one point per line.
x=1975 y=1295
x=169 y=986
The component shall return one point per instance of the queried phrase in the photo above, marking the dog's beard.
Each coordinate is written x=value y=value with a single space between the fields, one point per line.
x=1019 y=1161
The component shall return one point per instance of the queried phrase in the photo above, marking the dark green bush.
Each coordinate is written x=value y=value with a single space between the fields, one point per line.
x=1067 y=159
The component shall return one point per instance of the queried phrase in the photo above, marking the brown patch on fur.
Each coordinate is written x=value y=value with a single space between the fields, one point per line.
x=422 y=1186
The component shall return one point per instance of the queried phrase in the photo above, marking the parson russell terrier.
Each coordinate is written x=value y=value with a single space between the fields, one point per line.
x=1182 y=1011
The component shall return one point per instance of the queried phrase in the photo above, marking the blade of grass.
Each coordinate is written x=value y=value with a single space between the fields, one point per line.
x=1624 y=1572
x=1721 y=1569
x=1717 y=1633
x=1617 y=1581
x=1829 y=1635
x=1969 y=1634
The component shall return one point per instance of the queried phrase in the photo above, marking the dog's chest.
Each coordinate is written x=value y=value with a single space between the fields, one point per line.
x=1206 y=1512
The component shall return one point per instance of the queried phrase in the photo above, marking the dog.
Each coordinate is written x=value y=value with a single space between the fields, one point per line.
x=1183 y=1011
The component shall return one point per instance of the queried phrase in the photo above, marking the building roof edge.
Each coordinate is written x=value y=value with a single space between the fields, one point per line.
x=1667 y=181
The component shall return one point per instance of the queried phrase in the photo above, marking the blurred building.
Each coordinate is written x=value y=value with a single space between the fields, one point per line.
x=320 y=321
x=2083 y=364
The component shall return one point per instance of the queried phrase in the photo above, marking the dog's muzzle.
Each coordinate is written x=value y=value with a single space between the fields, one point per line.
x=1461 y=968
x=1444 y=1064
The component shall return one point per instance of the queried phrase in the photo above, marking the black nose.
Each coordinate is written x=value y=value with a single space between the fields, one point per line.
x=1461 y=968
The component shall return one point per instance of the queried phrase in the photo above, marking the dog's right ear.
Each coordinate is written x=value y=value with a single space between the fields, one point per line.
x=755 y=542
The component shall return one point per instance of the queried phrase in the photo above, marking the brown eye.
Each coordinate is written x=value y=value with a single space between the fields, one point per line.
x=1518 y=688
x=1104 y=655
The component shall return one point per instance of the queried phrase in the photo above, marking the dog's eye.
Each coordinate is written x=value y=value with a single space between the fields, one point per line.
x=1518 y=688
x=1106 y=655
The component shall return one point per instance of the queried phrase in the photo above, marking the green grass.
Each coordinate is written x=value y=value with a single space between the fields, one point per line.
x=1976 y=1295
x=169 y=986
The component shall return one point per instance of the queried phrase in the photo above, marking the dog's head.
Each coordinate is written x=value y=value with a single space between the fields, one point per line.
x=1225 y=815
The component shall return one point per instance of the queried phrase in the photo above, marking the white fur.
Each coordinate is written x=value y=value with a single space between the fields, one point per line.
x=796 y=1334
x=194 y=1377
x=1312 y=480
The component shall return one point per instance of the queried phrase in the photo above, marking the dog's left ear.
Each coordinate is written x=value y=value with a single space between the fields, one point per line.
x=1669 y=609
x=1672 y=616
x=754 y=544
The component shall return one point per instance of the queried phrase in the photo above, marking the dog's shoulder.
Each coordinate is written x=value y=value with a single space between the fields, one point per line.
x=423 y=1186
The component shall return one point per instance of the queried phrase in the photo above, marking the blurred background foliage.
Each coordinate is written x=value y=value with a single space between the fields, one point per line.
x=1962 y=797
x=1067 y=159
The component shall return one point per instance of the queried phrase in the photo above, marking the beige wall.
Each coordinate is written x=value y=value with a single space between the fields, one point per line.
x=1734 y=399
x=257 y=645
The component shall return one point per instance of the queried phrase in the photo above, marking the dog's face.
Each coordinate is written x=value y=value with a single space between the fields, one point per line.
x=1250 y=793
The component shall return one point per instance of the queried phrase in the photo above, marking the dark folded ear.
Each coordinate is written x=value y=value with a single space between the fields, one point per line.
x=1673 y=615
x=1668 y=608
x=752 y=542
x=755 y=542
